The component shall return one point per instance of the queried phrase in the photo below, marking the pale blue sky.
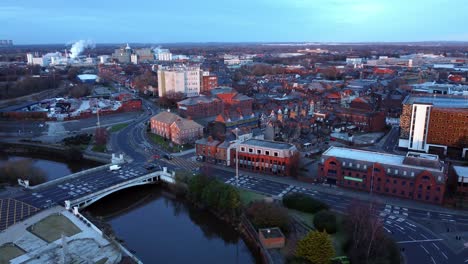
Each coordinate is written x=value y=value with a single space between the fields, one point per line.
x=118 y=21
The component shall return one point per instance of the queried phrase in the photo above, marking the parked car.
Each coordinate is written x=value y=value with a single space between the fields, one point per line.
x=168 y=156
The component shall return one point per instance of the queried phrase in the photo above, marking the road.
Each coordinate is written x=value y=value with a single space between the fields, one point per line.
x=418 y=244
x=391 y=140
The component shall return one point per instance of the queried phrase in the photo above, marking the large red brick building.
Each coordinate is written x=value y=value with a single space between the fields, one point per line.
x=266 y=156
x=416 y=176
x=179 y=130
x=432 y=122
x=364 y=120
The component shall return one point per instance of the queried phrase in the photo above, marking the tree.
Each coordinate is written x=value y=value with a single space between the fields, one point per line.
x=325 y=221
x=316 y=247
x=196 y=185
x=303 y=202
x=264 y=215
x=229 y=200
x=73 y=73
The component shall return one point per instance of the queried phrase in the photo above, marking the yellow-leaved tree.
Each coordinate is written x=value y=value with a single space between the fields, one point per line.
x=316 y=247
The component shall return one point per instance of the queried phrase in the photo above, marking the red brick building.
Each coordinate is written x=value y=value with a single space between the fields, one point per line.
x=200 y=106
x=232 y=100
x=265 y=156
x=416 y=176
x=179 y=130
x=209 y=82
x=363 y=120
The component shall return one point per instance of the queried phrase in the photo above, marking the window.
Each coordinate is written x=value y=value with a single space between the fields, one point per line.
x=402 y=192
x=358 y=165
x=388 y=170
x=365 y=167
x=403 y=183
x=350 y=164
x=412 y=174
x=404 y=173
x=396 y=171
x=259 y=151
x=428 y=187
x=344 y=163
x=267 y=152
x=276 y=154
x=376 y=169
x=250 y=150
x=242 y=149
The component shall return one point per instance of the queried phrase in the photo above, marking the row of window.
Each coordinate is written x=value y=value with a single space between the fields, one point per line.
x=260 y=152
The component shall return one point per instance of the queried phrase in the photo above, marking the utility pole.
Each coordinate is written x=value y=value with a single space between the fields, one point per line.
x=237 y=156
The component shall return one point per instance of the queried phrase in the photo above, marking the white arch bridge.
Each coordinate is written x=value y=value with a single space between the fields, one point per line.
x=84 y=201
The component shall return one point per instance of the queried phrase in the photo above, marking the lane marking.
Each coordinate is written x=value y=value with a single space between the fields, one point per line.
x=433 y=261
x=445 y=256
x=436 y=246
x=424 y=249
x=424 y=236
x=418 y=241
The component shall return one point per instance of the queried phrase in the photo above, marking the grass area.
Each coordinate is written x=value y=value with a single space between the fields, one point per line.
x=8 y=252
x=338 y=239
x=118 y=127
x=99 y=148
x=167 y=145
x=52 y=227
x=248 y=196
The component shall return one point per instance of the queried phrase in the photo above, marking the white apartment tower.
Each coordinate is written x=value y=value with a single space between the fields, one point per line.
x=184 y=79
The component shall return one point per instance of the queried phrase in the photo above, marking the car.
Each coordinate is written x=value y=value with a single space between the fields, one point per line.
x=168 y=156
x=150 y=166
x=156 y=156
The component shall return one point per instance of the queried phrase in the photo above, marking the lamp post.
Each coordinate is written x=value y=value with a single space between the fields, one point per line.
x=237 y=156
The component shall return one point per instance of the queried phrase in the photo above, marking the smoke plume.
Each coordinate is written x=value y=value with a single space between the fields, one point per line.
x=79 y=46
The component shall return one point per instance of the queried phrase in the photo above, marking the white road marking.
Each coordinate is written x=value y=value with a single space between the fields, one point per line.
x=424 y=249
x=388 y=230
x=445 y=256
x=424 y=236
x=436 y=246
x=433 y=261
x=412 y=238
x=417 y=241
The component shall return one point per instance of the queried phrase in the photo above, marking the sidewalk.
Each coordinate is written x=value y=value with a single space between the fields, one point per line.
x=185 y=152
x=348 y=193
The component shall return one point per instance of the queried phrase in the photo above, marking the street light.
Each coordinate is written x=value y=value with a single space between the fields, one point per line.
x=237 y=156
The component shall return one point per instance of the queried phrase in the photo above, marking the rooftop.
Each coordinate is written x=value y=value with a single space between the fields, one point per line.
x=382 y=158
x=443 y=101
x=268 y=144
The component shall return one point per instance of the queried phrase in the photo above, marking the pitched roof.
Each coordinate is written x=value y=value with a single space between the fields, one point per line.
x=165 y=117
x=185 y=124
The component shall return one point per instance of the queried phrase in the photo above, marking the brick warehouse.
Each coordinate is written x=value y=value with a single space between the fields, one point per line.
x=265 y=156
x=416 y=176
x=430 y=122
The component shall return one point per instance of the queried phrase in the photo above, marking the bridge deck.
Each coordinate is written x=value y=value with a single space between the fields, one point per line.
x=78 y=187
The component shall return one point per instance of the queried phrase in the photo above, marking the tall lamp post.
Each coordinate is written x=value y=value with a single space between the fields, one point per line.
x=237 y=156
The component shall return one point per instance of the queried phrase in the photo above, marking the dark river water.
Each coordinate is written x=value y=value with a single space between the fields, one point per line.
x=158 y=227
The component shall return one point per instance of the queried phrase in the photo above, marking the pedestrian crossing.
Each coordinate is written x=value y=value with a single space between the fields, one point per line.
x=183 y=163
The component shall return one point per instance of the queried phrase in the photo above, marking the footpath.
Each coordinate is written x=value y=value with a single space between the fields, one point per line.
x=334 y=190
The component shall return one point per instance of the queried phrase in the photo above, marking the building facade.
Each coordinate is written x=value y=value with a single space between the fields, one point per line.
x=200 y=106
x=183 y=79
x=438 y=122
x=416 y=176
x=263 y=156
x=209 y=82
x=179 y=130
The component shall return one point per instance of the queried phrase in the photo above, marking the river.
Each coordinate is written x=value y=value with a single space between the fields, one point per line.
x=158 y=227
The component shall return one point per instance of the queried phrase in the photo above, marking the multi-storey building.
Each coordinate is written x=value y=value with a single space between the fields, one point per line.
x=415 y=176
x=265 y=156
x=123 y=55
x=209 y=82
x=429 y=122
x=179 y=130
x=181 y=78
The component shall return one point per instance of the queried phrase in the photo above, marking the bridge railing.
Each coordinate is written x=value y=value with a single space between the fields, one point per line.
x=119 y=186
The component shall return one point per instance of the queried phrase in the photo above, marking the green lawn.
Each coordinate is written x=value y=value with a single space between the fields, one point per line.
x=52 y=227
x=8 y=252
x=166 y=144
x=248 y=196
x=99 y=148
x=118 y=127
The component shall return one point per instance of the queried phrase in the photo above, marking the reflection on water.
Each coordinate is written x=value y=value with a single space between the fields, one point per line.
x=53 y=167
x=163 y=229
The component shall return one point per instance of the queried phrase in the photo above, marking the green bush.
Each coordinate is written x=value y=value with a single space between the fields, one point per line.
x=264 y=215
x=325 y=220
x=304 y=203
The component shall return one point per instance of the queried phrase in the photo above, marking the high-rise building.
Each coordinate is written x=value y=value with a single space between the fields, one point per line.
x=180 y=78
x=431 y=122
x=123 y=55
x=208 y=82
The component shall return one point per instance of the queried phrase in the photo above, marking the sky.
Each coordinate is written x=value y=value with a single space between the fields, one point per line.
x=170 y=21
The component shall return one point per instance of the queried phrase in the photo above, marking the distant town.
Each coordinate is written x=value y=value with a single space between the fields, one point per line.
x=356 y=150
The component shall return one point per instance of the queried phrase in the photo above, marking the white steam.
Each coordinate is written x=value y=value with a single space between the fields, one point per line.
x=79 y=46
